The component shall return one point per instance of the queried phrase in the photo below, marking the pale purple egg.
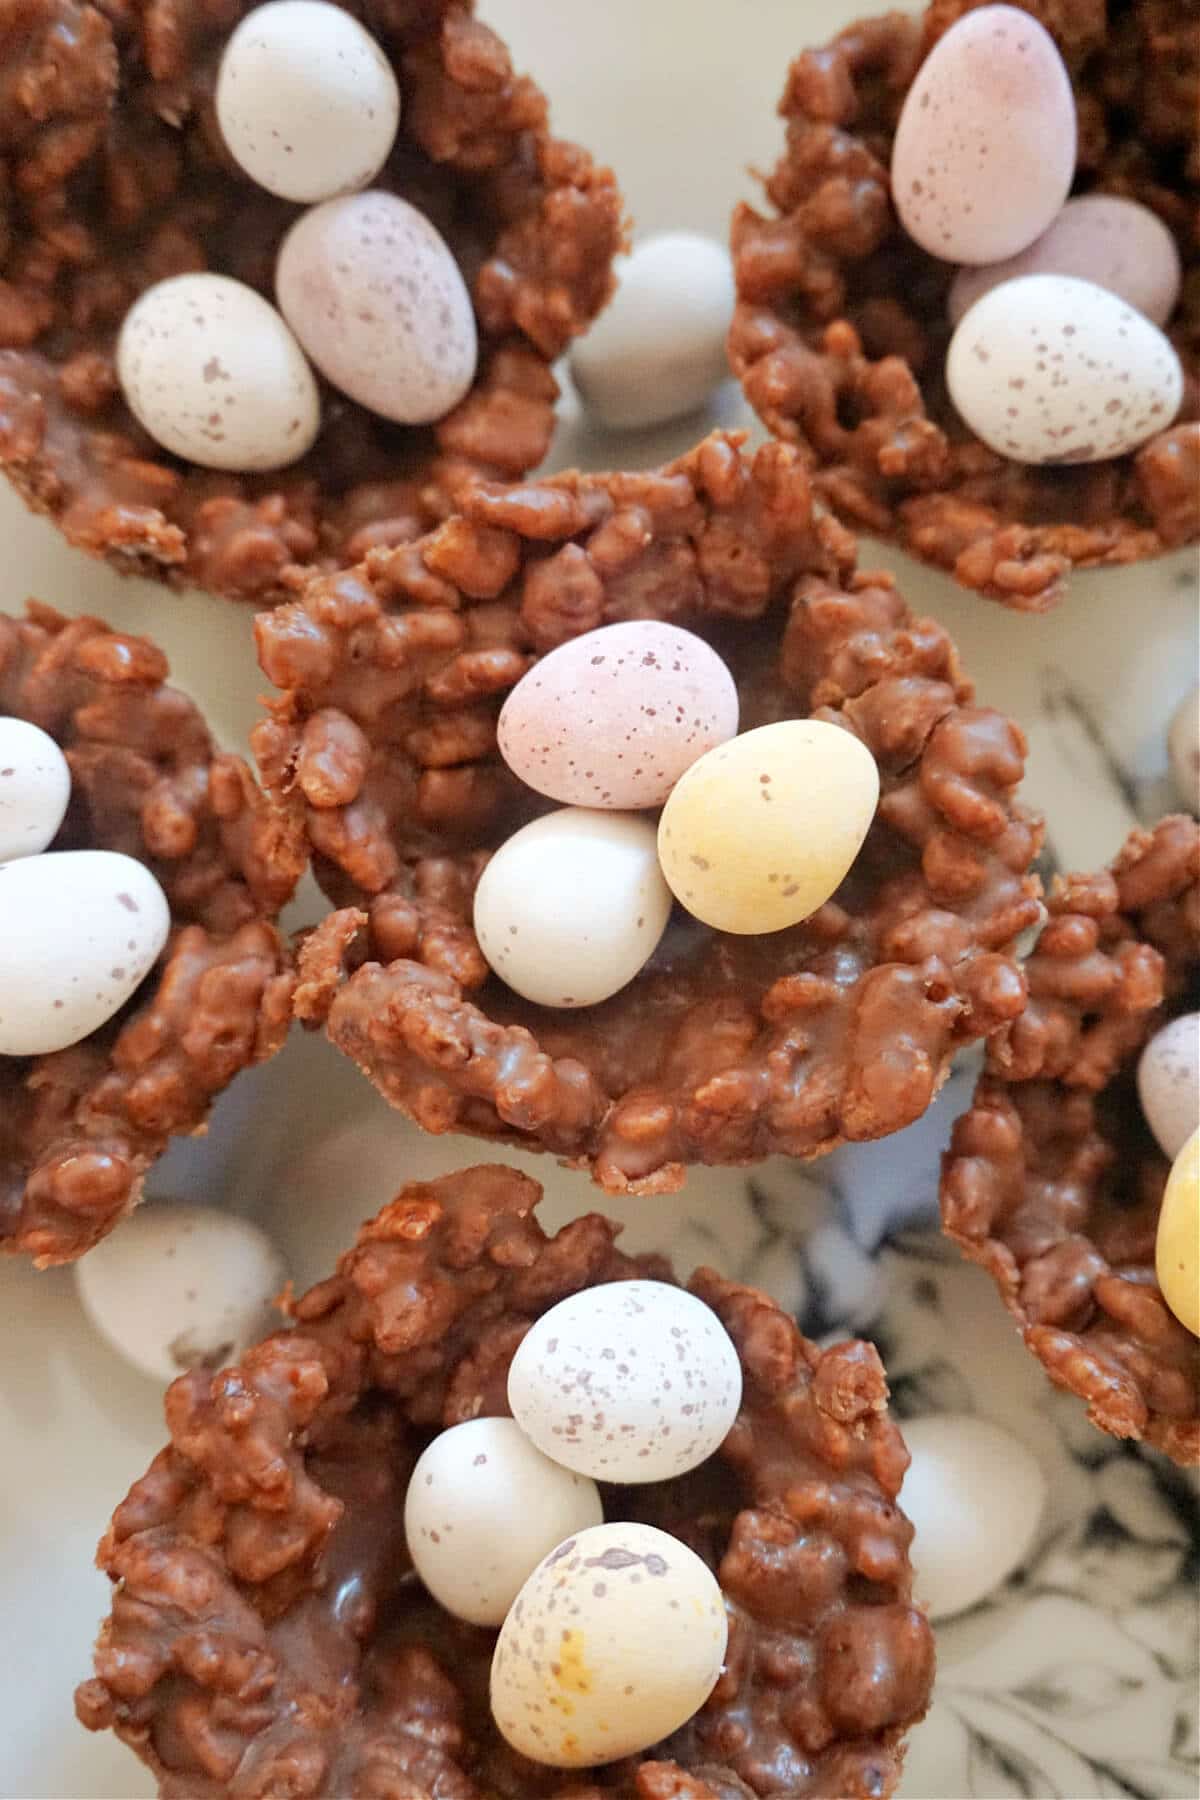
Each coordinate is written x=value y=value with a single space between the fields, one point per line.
x=1119 y=244
x=374 y=295
x=984 y=152
x=613 y=718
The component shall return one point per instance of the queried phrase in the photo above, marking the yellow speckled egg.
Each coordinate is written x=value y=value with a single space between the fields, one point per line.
x=1177 y=1253
x=760 y=832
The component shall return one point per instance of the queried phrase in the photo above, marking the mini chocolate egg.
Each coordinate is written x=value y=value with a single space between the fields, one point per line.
x=1050 y=369
x=79 y=931
x=1119 y=244
x=975 y=1496
x=484 y=1506
x=633 y=1381
x=1177 y=1250
x=1183 y=748
x=984 y=152
x=612 y=1644
x=1168 y=1081
x=211 y=371
x=35 y=785
x=760 y=832
x=571 y=906
x=372 y=292
x=306 y=100
x=181 y=1287
x=613 y=718
x=657 y=350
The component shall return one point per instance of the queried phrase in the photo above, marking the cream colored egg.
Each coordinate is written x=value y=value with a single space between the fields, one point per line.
x=1177 y=1252
x=760 y=832
x=984 y=151
x=572 y=905
x=180 y=1287
x=1168 y=1081
x=483 y=1507
x=211 y=371
x=612 y=1644
x=1119 y=244
x=35 y=786
x=1050 y=369
x=79 y=931
x=373 y=293
x=306 y=100
x=1183 y=748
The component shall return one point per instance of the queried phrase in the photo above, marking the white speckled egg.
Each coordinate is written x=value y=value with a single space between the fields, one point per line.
x=633 y=1381
x=180 y=1287
x=211 y=371
x=306 y=100
x=976 y=1496
x=1183 y=748
x=759 y=833
x=372 y=292
x=984 y=151
x=79 y=931
x=35 y=785
x=613 y=718
x=484 y=1506
x=1119 y=244
x=1050 y=369
x=658 y=349
x=571 y=906
x=1168 y=1081
x=612 y=1644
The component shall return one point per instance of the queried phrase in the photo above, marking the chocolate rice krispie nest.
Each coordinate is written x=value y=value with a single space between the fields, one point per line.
x=113 y=176
x=268 y=1635
x=840 y=332
x=79 y=1129
x=1053 y=1180
x=724 y=1048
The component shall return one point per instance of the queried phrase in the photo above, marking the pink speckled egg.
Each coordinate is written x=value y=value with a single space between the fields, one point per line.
x=1049 y=369
x=984 y=152
x=615 y=717
x=372 y=292
x=1118 y=244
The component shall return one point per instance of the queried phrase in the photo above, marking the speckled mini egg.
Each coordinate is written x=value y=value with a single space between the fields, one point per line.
x=1050 y=369
x=1177 y=1250
x=373 y=293
x=760 y=832
x=976 y=1496
x=79 y=931
x=484 y=1506
x=181 y=1287
x=572 y=906
x=35 y=785
x=984 y=151
x=1168 y=1080
x=613 y=718
x=306 y=100
x=1183 y=748
x=211 y=371
x=633 y=1381
x=612 y=1644
x=1118 y=244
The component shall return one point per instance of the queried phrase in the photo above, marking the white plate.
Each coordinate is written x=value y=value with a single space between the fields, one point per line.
x=1079 y=1679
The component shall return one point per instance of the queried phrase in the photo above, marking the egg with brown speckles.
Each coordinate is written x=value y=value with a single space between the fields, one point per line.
x=1050 y=369
x=984 y=151
x=483 y=1507
x=372 y=291
x=35 y=786
x=211 y=371
x=1168 y=1082
x=79 y=931
x=633 y=1381
x=615 y=717
x=613 y=1643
